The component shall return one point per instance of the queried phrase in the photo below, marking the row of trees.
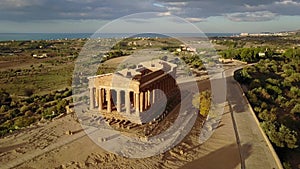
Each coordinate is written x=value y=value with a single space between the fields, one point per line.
x=274 y=93
x=18 y=113
x=194 y=61
x=247 y=54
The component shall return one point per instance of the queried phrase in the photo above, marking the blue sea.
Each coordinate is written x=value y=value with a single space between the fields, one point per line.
x=54 y=36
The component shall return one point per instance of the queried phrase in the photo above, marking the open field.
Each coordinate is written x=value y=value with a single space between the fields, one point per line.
x=21 y=68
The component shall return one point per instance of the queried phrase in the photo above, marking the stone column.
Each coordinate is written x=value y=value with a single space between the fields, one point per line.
x=103 y=94
x=127 y=102
x=149 y=98
x=100 y=99
x=108 y=99
x=146 y=100
x=118 y=100
x=134 y=100
x=137 y=103
x=153 y=96
x=97 y=97
x=141 y=101
x=92 y=98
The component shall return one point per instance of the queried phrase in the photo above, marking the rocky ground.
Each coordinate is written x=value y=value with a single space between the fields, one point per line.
x=62 y=143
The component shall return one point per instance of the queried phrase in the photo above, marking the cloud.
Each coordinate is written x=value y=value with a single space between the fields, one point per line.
x=195 y=19
x=164 y=14
x=251 y=16
x=284 y=7
x=158 y=5
x=288 y=2
x=195 y=11
x=18 y=4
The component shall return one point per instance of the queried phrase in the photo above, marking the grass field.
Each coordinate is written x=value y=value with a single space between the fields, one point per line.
x=20 y=71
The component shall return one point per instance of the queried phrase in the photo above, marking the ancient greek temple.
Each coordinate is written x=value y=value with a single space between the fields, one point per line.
x=132 y=92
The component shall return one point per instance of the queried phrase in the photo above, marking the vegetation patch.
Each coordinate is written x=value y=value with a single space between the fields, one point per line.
x=273 y=90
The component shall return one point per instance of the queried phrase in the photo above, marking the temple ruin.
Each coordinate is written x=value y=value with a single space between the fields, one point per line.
x=130 y=93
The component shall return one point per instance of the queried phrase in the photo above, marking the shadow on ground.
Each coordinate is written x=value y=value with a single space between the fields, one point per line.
x=233 y=94
x=224 y=158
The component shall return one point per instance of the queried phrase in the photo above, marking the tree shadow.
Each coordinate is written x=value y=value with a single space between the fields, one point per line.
x=77 y=131
x=235 y=96
x=227 y=157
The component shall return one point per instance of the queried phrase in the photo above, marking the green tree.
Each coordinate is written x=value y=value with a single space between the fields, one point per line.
x=296 y=109
x=266 y=115
x=294 y=92
x=24 y=108
x=4 y=108
x=23 y=121
x=280 y=135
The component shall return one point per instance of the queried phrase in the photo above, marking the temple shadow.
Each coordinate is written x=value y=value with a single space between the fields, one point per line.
x=12 y=147
x=227 y=157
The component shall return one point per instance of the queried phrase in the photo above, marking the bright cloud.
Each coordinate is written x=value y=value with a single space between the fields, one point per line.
x=251 y=16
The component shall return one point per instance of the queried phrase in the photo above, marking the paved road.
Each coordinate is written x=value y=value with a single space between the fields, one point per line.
x=238 y=142
x=248 y=130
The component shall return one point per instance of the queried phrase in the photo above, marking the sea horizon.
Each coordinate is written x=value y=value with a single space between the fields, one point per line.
x=56 y=36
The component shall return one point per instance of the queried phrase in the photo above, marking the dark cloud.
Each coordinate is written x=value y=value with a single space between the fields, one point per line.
x=195 y=11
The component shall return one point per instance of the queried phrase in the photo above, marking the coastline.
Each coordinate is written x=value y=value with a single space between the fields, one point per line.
x=56 y=36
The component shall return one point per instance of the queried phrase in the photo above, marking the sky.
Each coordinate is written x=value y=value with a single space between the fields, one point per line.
x=210 y=16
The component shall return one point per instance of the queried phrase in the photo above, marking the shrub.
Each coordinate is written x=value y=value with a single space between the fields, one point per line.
x=4 y=108
x=202 y=101
x=280 y=135
x=40 y=110
x=286 y=165
x=49 y=97
x=49 y=113
x=28 y=113
x=12 y=113
x=67 y=93
x=57 y=96
x=5 y=98
x=24 y=108
x=5 y=127
x=296 y=109
x=60 y=107
x=266 y=115
x=23 y=121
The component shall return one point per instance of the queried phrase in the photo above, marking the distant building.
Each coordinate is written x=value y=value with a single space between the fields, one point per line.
x=185 y=48
x=261 y=54
x=44 y=55
x=244 y=34
x=280 y=51
x=222 y=60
